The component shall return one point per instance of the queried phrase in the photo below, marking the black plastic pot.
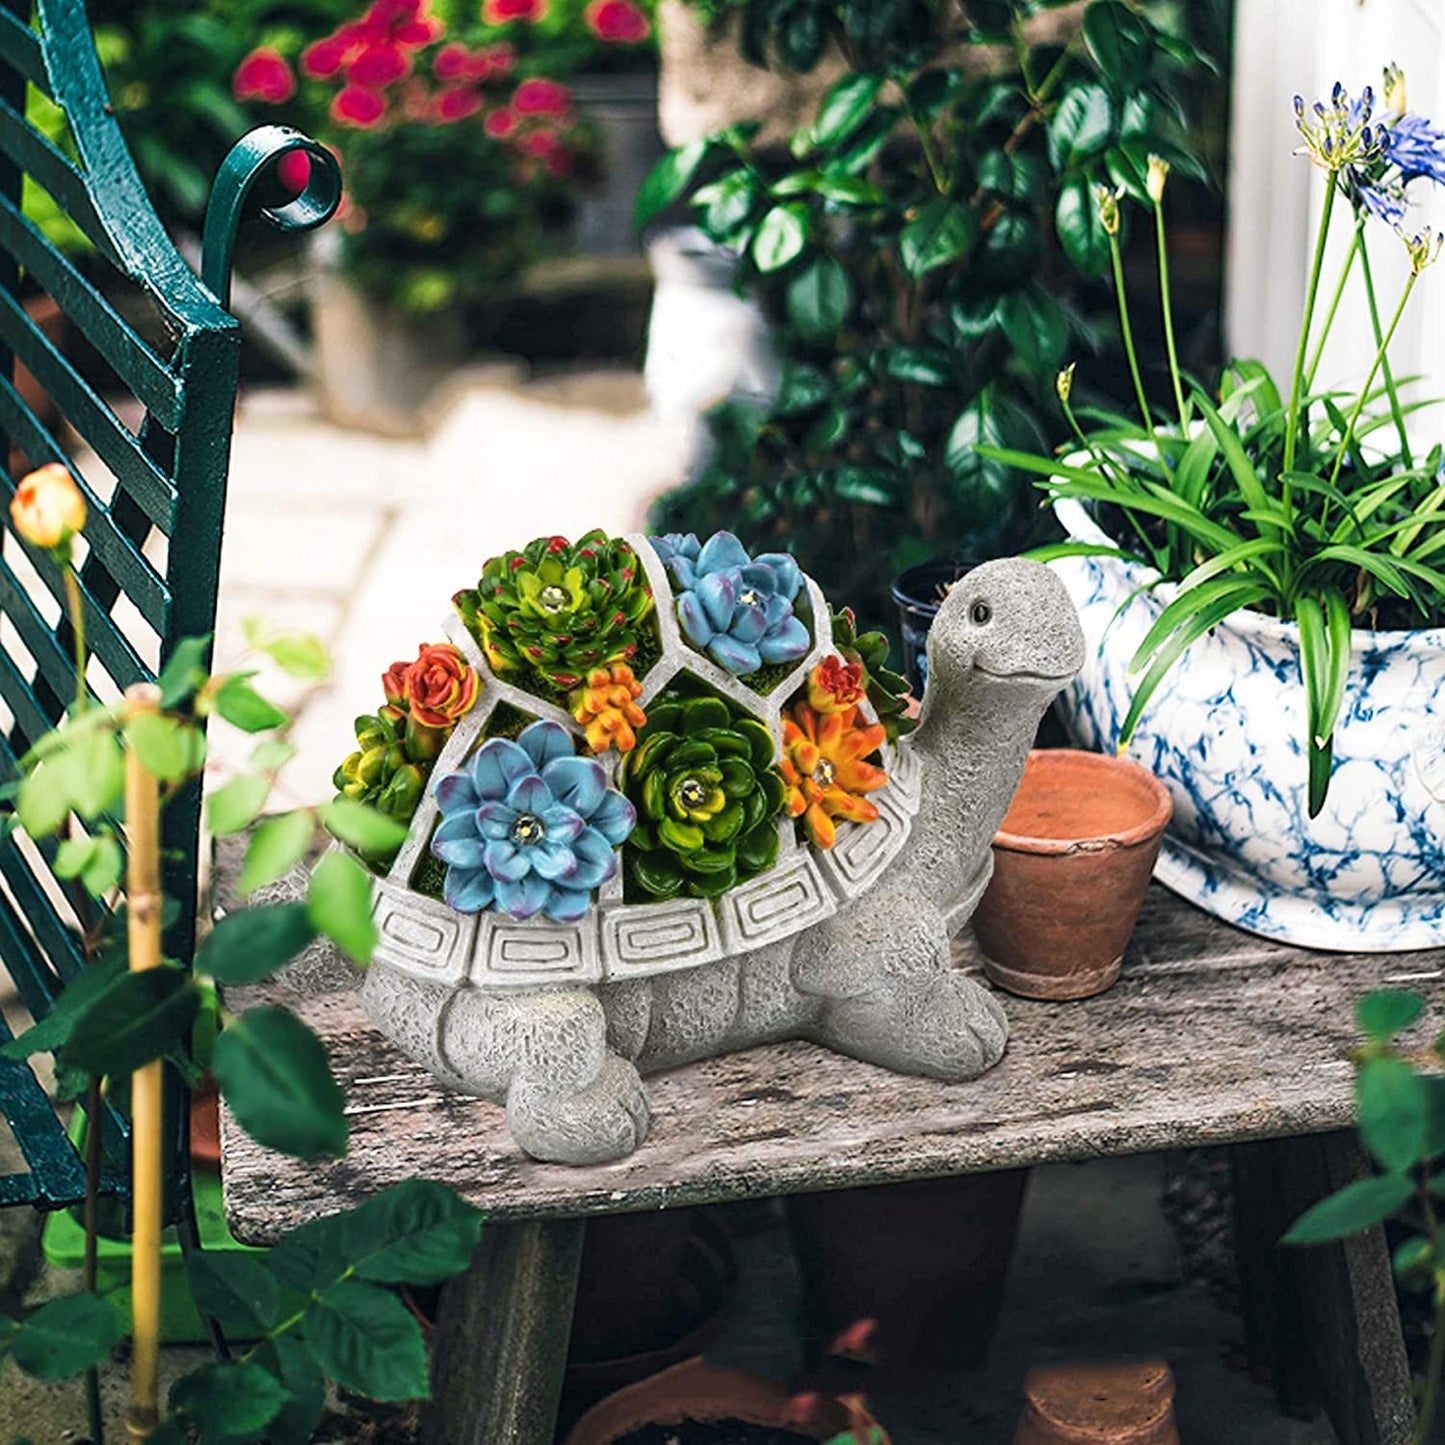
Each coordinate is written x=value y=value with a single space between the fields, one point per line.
x=919 y=592
x=925 y=1261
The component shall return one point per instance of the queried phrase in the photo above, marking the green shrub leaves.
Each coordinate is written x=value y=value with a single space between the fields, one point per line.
x=275 y=1076
x=67 y=1336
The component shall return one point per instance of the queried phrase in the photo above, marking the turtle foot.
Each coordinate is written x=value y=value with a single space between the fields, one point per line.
x=943 y=1026
x=602 y=1121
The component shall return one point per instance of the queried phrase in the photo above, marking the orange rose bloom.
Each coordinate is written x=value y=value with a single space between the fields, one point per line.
x=48 y=508
x=441 y=686
x=835 y=685
x=824 y=769
x=607 y=708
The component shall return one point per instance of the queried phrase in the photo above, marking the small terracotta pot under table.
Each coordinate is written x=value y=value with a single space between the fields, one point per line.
x=1117 y=1404
x=1072 y=864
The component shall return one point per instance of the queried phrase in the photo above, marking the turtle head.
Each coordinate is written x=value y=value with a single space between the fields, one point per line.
x=1006 y=625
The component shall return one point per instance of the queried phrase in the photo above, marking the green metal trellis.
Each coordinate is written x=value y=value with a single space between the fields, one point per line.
x=158 y=491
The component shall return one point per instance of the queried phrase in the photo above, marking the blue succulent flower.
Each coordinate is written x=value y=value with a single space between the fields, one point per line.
x=735 y=608
x=529 y=827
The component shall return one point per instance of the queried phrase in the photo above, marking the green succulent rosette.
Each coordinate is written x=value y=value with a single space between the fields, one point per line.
x=557 y=609
x=887 y=691
x=707 y=797
x=387 y=770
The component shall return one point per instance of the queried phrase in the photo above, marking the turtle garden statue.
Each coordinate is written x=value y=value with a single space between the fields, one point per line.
x=665 y=804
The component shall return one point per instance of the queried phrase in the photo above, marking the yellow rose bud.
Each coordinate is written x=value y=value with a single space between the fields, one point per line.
x=1158 y=174
x=48 y=508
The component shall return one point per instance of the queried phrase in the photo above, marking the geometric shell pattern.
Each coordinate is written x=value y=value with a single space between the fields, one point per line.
x=424 y=938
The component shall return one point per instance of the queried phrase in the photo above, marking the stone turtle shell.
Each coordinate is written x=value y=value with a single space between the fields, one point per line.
x=425 y=939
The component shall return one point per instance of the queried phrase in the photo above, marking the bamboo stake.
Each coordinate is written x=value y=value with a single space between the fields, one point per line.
x=143 y=910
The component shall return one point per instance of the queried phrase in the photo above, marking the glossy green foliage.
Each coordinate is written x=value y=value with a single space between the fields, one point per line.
x=1400 y=1114
x=321 y=1304
x=899 y=245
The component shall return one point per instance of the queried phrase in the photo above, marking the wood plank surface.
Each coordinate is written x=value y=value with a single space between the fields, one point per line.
x=1211 y=1036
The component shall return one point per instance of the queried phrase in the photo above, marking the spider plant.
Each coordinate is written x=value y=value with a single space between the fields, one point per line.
x=1308 y=505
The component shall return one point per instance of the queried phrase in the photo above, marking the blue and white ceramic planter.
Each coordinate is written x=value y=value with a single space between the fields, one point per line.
x=1225 y=731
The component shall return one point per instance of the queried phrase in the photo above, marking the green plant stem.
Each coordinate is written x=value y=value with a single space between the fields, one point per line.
x=1128 y=334
x=1390 y=390
x=1359 y=406
x=1330 y=313
x=77 y=626
x=94 y=1103
x=94 y=1100
x=925 y=139
x=1167 y=303
x=1291 y=435
x=1433 y=1370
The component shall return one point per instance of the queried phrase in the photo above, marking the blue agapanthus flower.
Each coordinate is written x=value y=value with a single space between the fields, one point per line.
x=1375 y=157
x=735 y=608
x=529 y=827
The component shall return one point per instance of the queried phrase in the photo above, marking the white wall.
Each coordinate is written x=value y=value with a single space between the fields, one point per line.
x=1284 y=47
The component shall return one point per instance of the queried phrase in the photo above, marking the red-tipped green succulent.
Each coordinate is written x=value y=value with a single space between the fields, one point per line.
x=887 y=691
x=707 y=797
x=825 y=769
x=556 y=610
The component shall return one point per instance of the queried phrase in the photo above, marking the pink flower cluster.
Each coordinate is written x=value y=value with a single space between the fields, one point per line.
x=375 y=65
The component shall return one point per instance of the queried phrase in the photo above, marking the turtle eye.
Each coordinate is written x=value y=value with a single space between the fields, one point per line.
x=980 y=612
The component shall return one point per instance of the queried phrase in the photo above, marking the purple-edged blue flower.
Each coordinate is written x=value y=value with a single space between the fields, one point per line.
x=529 y=827
x=735 y=608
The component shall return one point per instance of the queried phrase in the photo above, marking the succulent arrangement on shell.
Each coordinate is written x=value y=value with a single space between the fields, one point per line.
x=685 y=788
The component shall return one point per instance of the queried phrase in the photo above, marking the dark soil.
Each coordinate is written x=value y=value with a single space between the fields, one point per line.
x=720 y=1432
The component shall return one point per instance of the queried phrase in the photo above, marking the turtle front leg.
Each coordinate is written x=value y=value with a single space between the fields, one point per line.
x=889 y=996
x=570 y=1098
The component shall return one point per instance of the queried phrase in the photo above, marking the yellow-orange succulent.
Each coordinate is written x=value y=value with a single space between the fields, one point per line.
x=824 y=768
x=607 y=708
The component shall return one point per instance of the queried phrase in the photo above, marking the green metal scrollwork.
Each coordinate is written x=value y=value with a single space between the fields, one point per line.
x=252 y=165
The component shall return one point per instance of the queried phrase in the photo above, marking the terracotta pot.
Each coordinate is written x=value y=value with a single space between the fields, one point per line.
x=46 y=314
x=1129 y=1404
x=925 y=1261
x=1072 y=864
x=206 y=1126
x=695 y=1390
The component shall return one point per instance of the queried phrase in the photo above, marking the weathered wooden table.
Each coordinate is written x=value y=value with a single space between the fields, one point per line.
x=1211 y=1037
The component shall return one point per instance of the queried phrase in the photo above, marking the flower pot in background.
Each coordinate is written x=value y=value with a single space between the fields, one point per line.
x=704 y=341
x=694 y=1390
x=651 y=1293
x=376 y=368
x=624 y=106
x=919 y=593
x=926 y=1261
x=46 y=314
x=1072 y=864
x=1129 y=1404
x=1226 y=733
